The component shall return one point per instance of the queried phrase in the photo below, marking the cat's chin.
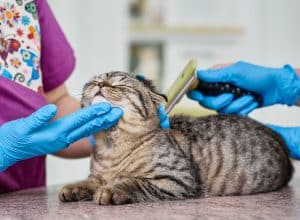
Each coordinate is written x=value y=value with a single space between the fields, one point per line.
x=99 y=99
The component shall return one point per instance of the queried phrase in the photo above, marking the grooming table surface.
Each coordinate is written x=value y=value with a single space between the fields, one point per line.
x=43 y=203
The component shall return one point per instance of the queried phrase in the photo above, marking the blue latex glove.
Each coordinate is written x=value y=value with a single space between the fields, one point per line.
x=291 y=136
x=35 y=135
x=163 y=116
x=275 y=85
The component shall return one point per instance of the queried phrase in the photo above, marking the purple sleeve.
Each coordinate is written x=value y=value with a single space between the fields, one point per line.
x=57 y=57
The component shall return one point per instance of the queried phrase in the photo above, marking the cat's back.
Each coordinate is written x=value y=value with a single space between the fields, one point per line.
x=235 y=155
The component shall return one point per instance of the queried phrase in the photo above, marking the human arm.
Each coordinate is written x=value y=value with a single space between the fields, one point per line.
x=67 y=104
x=275 y=85
x=57 y=63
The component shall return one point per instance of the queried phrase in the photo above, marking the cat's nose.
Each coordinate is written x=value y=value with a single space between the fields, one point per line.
x=100 y=84
x=104 y=83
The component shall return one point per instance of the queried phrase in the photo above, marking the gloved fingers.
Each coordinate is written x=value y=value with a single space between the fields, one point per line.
x=17 y=154
x=275 y=127
x=237 y=105
x=163 y=117
x=40 y=117
x=100 y=123
x=211 y=102
x=47 y=141
x=221 y=65
x=249 y=109
x=82 y=117
x=140 y=76
x=52 y=148
x=224 y=74
x=195 y=95
x=92 y=140
x=295 y=152
x=87 y=131
x=111 y=118
x=214 y=102
x=217 y=102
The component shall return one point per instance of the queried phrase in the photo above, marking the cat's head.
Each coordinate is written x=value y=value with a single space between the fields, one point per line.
x=136 y=96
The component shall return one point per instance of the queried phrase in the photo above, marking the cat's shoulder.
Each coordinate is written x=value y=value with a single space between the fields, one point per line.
x=179 y=120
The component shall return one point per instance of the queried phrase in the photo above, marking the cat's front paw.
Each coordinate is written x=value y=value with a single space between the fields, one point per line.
x=111 y=196
x=73 y=192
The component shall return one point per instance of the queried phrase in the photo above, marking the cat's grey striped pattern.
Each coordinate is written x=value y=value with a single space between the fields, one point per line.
x=137 y=161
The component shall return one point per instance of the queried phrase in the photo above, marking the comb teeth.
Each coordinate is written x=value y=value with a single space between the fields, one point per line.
x=181 y=85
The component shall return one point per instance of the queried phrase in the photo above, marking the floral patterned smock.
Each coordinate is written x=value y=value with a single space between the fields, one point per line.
x=35 y=57
x=20 y=43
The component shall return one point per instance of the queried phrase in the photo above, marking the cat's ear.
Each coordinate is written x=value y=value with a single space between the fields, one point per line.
x=157 y=97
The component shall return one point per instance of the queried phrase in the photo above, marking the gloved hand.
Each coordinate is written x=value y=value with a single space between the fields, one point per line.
x=163 y=116
x=35 y=135
x=291 y=136
x=275 y=85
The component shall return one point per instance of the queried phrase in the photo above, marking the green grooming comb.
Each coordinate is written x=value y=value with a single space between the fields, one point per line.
x=186 y=81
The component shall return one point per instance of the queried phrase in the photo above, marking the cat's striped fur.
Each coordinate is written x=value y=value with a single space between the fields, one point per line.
x=137 y=161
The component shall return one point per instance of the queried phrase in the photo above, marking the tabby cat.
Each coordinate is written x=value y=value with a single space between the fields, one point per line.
x=137 y=161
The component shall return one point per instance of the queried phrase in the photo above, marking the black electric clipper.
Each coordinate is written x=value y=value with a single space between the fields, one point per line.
x=188 y=80
x=214 y=89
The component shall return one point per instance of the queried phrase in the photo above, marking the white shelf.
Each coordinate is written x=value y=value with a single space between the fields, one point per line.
x=164 y=32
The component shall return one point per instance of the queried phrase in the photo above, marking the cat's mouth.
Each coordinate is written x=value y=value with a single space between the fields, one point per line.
x=99 y=98
x=99 y=93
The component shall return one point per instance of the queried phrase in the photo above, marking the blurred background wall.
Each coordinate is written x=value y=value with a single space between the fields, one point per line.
x=157 y=38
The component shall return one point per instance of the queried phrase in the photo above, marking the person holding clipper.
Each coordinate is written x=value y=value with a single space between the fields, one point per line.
x=274 y=85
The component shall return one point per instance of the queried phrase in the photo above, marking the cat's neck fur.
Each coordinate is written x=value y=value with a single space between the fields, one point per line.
x=126 y=135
